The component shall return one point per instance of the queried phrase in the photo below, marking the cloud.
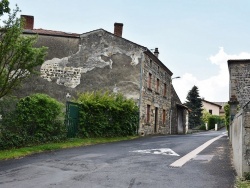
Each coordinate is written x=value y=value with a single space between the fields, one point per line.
x=215 y=88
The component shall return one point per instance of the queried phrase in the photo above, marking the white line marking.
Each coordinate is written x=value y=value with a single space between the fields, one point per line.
x=161 y=151
x=180 y=162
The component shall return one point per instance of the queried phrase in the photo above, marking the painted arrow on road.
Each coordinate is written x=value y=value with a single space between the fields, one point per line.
x=161 y=151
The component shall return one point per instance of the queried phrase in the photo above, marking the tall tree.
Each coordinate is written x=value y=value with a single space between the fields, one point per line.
x=194 y=103
x=4 y=7
x=18 y=56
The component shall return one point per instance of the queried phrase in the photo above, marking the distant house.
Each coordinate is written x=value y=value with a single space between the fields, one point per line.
x=222 y=104
x=211 y=107
x=99 y=59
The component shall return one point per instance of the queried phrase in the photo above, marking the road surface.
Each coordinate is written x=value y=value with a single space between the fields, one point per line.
x=173 y=161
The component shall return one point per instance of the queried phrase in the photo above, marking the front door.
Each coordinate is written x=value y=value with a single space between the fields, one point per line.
x=156 y=119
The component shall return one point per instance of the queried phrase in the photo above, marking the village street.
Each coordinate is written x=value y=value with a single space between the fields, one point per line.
x=145 y=162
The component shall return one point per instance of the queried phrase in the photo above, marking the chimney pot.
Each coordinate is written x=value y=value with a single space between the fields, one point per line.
x=156 y=52
x=118 y=29
x=28 y=21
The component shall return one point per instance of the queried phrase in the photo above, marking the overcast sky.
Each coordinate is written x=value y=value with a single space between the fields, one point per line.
x=195 y=37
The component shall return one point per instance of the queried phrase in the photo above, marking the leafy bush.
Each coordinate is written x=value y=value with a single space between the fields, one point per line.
x=106 y=115
x=34 y=119
x=203 y=127
x=214 y=119
x=205 y=116
x=227 y=115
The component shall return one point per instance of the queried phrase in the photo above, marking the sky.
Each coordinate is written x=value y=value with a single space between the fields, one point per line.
x=195 y=38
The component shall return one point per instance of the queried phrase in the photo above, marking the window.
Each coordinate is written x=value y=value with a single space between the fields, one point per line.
x=157 y=85
x=165 y=90
x=163 y=116
x=150 y=62
x=148 y=113
x=210 y=111
x=149 y=80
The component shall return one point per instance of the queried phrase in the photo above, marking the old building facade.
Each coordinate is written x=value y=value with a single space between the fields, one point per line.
x=102 y=60
x=211 y=107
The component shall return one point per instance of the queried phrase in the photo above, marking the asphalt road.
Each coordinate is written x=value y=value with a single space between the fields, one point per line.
x=144 y=162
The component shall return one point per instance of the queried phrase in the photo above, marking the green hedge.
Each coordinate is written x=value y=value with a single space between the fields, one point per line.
x=214 y=119
x=107 y=115
x=34 y=119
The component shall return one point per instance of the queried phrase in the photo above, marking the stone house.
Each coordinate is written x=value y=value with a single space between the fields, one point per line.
x=211 y=107
x=102 y=60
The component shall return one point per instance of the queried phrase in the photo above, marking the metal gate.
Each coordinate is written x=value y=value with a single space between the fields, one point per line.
x=72 y=119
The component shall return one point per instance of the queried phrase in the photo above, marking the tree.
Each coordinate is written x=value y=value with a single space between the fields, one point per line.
x=227 y=115
x=195 y=105
x=205 y=116
x=4 y=7
x=18 y=56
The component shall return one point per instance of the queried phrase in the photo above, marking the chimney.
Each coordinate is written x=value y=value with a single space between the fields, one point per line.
x=28 y=21
x=118 y=29
x=156 y=52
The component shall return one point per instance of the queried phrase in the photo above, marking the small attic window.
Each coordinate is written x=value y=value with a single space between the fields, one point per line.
x=150 y=62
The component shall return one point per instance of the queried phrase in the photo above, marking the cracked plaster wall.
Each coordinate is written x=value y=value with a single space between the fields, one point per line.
x=97 y=60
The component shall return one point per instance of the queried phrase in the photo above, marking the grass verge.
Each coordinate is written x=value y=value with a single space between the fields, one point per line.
x=242 y=184
x=70 y=143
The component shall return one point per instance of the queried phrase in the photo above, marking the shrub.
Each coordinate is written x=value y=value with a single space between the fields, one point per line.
x=227 y=115
x=203 y=127
x=106 y=115
x=214 y=119
x=35 y=119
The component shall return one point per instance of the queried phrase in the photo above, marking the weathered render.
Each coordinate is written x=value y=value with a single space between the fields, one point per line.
x=240 y=114
x=98 y=60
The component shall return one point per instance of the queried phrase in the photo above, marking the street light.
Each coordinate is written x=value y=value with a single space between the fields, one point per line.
x=175 y=77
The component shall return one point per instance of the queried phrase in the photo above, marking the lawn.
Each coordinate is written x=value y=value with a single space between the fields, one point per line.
x=70 y=143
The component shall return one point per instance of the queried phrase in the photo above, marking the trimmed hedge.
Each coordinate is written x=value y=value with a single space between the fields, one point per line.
x=107 y=115
x=34 y=119
x=213 y=119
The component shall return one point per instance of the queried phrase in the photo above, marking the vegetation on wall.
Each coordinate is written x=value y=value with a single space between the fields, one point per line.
x=105 y=114
x=18 y=57
x=227 y=115
x=194 y=103
x=34 y=119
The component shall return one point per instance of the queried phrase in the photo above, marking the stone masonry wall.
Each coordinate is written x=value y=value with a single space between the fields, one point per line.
x=240 y=123
x=97 y=60
x=154 y=98
x=240 y=138
x=240 y=80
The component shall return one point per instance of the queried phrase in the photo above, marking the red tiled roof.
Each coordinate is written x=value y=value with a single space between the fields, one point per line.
x=50 y=32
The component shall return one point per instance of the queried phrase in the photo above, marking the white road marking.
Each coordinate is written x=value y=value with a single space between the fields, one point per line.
x=180 y=162
x=161 y=151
